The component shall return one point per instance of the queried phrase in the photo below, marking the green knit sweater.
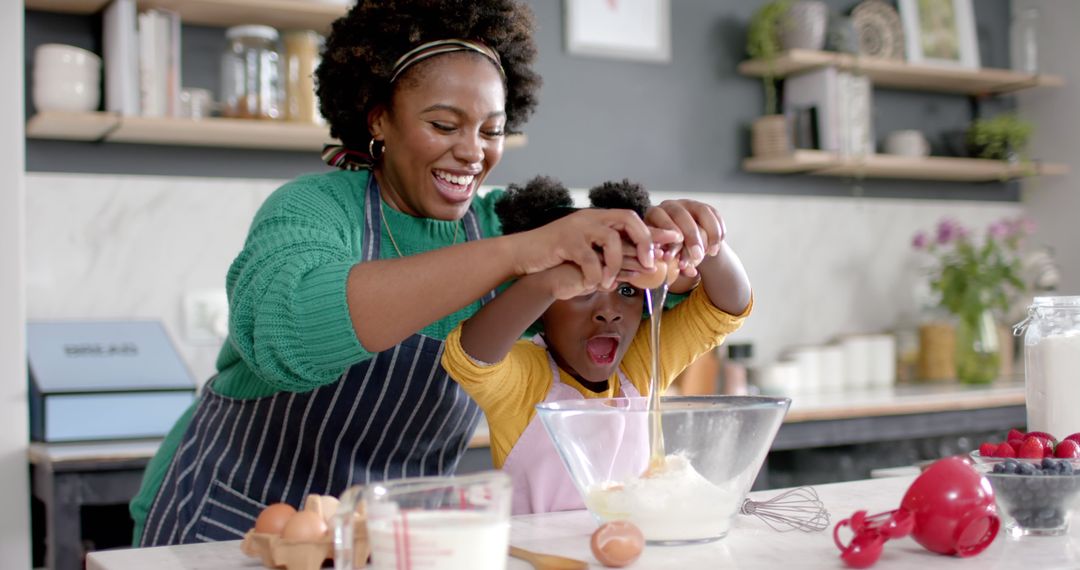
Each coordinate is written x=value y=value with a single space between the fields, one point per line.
x=289 y=323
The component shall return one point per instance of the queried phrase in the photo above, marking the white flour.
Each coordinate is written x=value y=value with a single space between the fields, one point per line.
x=1053 y=385
x=677 y=504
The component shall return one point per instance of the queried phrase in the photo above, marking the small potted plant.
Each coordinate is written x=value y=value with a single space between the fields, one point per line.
x=770 y=132
x=1004 y=137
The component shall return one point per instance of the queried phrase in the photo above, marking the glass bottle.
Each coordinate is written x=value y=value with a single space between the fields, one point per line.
x=1024 y=40
x=1051 y=361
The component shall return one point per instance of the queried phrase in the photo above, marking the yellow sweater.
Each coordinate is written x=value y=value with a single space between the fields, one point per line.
x=508 y=391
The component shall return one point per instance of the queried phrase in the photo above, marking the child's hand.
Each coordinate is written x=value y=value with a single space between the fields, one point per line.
x=700 y=224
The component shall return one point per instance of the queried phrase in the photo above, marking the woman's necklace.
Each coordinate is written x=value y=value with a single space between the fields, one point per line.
x=391 y=234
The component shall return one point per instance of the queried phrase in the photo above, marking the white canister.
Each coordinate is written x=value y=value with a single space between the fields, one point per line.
x=856 y=362
x=831 y=374
x=1052 y=365
x=882 y=366
x=778 y=379
x=808 y=360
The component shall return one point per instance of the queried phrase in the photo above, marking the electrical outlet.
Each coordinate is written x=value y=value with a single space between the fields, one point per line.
x=206 y=316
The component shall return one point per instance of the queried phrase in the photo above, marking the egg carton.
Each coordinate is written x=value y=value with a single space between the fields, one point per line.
x=276 y=552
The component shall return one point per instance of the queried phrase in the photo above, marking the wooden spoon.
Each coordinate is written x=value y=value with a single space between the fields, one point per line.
x=547 y=561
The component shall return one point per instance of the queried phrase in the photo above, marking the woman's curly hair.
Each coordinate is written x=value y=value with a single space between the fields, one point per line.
x=354 y=76
x=543 y=200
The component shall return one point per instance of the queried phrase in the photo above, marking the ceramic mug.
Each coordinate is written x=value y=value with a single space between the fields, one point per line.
x=907 y=143
x=954 y=508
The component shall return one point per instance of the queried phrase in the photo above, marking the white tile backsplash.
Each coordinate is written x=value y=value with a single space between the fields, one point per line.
x=107 y=246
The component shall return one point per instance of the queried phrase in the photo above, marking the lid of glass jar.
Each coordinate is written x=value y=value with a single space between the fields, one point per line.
x=252 y=31
x=1070 y=301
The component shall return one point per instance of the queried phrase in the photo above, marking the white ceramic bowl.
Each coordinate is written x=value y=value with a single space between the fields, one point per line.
x=73 y=95
x=60 y=57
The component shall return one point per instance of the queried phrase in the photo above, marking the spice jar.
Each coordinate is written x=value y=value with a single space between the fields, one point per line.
x=1051 y=361
x=302 y=49
x=251 y=74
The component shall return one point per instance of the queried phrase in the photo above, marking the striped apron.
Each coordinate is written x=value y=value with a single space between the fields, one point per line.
x=397 y=414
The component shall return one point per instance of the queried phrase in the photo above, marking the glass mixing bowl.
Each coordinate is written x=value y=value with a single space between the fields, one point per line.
x=714 y=445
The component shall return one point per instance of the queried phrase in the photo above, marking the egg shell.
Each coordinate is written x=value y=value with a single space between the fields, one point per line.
x=324 y=505
x=273 y=518
x=305 y=526
x=617 y=543
x=665 y=270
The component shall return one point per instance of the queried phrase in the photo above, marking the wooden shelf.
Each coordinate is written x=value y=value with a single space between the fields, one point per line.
x=211 y=132
x=821 y=163
x=71 y=126
x=902 y=75
x=284 y=14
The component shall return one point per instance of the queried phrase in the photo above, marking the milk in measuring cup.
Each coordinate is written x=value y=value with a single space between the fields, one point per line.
x=439 y=540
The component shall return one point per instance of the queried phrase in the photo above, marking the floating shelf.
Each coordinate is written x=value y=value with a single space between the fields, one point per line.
x=285 y=14
x=822 y=163
x=902 y=75
x=210 y=132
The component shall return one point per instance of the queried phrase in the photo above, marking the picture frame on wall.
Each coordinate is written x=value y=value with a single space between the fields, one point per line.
x=940 y=32
x=623 y=29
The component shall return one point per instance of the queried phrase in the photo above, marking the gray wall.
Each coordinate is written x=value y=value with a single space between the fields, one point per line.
x=680 y=126
x=1053 y=202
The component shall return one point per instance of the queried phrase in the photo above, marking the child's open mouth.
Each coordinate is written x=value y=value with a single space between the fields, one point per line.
x=602 y=349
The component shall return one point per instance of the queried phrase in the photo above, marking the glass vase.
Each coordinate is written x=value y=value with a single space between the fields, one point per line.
x=978 y=348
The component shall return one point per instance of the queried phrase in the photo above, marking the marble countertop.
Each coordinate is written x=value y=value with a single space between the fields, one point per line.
x=750 y=544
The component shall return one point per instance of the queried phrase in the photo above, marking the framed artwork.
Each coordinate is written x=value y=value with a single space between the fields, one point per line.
x=625 y=29
x=940 y=32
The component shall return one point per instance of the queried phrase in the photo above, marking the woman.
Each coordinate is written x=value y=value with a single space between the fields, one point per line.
x=349 y=281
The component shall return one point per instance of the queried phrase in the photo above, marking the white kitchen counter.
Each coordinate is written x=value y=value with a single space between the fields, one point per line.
x=750 y=543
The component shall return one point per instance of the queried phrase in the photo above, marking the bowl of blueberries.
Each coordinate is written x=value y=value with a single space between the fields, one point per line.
x=1036 y=498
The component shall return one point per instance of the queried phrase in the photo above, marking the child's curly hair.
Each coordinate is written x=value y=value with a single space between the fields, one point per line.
x=354 y=76
x=544 y=199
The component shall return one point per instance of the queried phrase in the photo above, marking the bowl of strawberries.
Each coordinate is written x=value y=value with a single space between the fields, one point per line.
x=1032 y=447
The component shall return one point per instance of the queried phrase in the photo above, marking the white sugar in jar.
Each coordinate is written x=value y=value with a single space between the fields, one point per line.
x=1052 y=365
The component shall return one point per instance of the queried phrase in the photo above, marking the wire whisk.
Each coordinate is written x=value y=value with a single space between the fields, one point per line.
x=796 y=509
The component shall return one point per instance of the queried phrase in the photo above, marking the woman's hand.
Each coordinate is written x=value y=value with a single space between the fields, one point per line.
x=591 y=239
x=564 y=281
x=700 y=225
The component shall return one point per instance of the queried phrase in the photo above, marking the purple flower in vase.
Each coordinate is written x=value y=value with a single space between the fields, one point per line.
x=1001 y=229
x=948 y=230
x=920 y=241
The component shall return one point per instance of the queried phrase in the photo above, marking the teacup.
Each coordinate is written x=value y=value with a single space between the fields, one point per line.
x=954 y=508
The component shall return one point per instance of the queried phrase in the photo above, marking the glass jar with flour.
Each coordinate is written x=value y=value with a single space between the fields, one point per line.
x=1052 y=365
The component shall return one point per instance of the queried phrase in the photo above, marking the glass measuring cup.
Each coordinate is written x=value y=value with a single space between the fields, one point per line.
x=428 y=522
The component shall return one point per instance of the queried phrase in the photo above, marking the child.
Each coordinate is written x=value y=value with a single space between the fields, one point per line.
x=594 y=344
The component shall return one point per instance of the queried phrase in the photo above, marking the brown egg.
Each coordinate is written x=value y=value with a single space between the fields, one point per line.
x=617 y=543
x=273 y=518
x=305 y=526
x=654 y=279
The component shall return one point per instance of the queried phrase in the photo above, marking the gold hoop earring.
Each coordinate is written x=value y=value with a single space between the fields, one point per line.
x=371 y=149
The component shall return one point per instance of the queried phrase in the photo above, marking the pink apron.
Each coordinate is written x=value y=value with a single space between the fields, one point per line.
x=541 y=482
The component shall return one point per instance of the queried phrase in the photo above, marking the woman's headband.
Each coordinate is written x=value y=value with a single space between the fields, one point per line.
x=424 y=51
